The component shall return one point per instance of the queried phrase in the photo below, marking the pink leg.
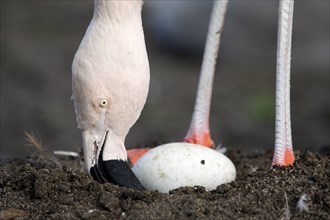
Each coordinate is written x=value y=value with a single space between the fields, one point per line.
x=283 y=153
x=199 y=131
x=283 y=158
x=202 y=137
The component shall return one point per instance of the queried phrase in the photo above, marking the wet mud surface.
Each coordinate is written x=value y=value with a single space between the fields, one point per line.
x=40 y=190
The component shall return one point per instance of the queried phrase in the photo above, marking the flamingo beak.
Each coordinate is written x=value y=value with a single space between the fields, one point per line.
x=107 y=162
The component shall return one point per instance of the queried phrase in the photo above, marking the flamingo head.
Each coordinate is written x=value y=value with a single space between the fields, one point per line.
x=110 y=81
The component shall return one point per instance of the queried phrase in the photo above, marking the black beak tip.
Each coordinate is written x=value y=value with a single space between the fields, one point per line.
x=117 y=172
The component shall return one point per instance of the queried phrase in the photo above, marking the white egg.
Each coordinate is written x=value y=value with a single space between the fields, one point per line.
x=173 y=165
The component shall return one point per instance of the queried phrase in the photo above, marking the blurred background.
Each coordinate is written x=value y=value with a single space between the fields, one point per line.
x=40 y=38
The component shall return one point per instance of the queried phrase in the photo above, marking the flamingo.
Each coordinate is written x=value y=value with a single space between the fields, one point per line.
x=110 y=80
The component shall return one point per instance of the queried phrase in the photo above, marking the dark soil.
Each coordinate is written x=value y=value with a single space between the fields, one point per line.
x=39 y=190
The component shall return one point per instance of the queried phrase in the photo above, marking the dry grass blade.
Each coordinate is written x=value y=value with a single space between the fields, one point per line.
x=286 y=209
x=41 y=150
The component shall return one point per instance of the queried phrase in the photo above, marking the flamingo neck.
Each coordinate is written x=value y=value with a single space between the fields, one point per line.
x=117 y=11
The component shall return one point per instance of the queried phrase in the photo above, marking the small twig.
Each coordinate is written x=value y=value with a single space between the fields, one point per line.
x=41 y=150
x=252 y=169
x=287 y=213
x=66 y=153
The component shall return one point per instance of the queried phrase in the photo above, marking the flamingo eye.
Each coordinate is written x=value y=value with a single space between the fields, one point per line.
x=104 y=103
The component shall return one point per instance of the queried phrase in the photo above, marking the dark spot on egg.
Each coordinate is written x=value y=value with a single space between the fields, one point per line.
x=203 y=162
x=162 y=175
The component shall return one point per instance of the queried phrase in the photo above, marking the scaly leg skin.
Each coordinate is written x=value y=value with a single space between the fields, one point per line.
x=201 y=138
x=283 y=154
x=285 y=158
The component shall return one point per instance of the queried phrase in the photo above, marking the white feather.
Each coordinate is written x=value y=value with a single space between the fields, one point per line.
x=302 y=205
